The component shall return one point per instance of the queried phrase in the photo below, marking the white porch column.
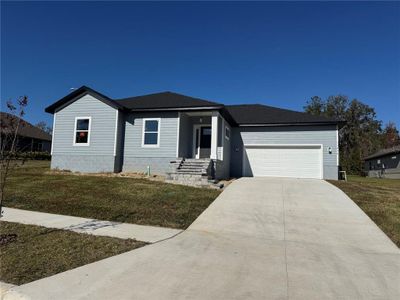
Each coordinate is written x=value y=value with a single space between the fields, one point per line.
x=214 y=135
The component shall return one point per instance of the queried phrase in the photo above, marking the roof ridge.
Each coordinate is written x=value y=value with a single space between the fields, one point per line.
x=166 y=99
x=167 y=92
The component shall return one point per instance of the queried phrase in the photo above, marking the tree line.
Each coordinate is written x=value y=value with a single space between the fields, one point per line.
x=362 y=133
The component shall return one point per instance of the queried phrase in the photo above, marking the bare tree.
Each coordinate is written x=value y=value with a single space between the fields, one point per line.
x=43 y=126
x=9 y=127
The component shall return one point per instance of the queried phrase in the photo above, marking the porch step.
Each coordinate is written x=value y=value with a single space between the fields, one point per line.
x=192 y=163
x=190 y=179
x=196 y=161
x=194 y=172
x=192 y=168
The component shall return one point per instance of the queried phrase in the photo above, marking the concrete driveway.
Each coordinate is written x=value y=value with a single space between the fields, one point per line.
x=263 y=238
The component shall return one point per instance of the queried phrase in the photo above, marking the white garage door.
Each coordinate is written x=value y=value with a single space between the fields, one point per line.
x=300 y=161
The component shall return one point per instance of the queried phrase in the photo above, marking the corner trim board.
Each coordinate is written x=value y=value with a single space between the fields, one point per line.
x=52 y=135
x=116 y=132
x=177 y=134
x=337 y=145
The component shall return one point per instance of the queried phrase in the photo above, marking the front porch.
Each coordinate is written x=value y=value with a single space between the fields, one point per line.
x=203 y=148
x=200 y=135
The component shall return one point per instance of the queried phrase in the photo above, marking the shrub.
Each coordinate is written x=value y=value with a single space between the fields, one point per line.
x=32 y=155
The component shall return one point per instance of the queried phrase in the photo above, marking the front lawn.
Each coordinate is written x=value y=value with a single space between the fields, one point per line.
x=33 y=252
x=379 y=199
x=131 y=200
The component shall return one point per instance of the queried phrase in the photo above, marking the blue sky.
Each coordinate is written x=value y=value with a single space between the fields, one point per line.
x=279 y=54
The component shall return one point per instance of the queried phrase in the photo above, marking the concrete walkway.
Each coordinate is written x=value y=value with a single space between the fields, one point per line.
x=150 y=234
x=4 y=287
x=261 y=239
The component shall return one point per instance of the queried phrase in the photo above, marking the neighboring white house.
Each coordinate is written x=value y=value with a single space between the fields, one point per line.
x=163 y=131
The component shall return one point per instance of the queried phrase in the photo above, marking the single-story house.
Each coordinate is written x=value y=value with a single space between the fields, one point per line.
x=29 y=137
x=173 y=133
x=384 y=163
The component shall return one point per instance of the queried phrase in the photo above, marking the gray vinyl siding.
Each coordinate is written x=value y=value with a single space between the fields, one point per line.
x=227 y=152
x=185 y=136
x=99 y=155
x=136 y=157
x=222 y=166
x=325 y=135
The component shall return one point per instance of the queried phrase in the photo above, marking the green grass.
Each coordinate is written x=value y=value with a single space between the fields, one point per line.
x=132 y=200
x=379 y=199
x=40 y=252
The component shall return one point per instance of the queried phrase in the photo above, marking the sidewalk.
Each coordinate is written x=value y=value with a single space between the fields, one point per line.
x=4 y=287
x=149 y=234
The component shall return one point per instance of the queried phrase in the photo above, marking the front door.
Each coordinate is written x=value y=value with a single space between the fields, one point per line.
x=203 y=142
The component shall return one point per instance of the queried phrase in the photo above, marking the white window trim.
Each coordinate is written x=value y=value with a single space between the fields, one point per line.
x=89 y=132
x=158 y=132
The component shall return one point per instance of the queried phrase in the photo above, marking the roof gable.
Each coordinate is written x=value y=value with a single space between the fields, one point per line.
x=77 y=94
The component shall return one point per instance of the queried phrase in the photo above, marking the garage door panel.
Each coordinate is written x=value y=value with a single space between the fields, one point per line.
x=283 y=161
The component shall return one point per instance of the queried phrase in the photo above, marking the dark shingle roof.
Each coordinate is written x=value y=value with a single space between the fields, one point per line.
x=26 y=129
x=383 y=152
x=262 y=114
x=250 y=114
x=165 y=100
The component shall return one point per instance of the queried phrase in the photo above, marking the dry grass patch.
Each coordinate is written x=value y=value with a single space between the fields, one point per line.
x=132 y=200
x=36 y=252
x=379 y=199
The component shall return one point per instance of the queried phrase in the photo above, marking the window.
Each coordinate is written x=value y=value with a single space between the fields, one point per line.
x=206 y=131
x=82 y=131
x=151 y=133
x=227 y=133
